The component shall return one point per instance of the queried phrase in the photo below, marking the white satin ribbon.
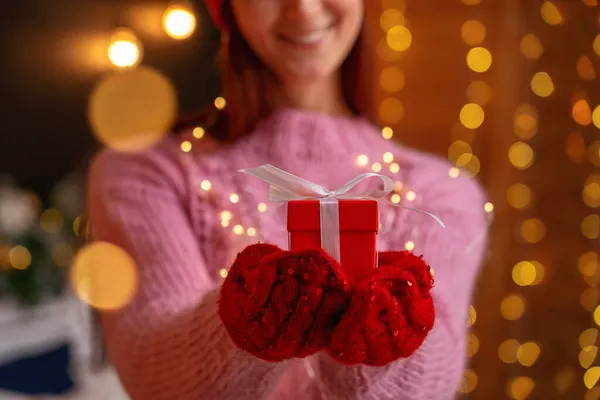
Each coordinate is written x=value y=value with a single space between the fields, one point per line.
x=284 y=187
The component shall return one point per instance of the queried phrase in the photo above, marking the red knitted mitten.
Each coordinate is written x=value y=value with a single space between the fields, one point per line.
x=277 y=304
x=390 y=315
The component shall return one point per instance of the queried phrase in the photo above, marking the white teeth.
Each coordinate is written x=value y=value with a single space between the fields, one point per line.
x=311 y=38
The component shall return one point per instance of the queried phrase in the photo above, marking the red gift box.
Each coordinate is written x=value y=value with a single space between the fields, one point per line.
x=358 y=223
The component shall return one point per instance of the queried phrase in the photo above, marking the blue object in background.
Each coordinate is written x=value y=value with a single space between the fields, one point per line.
x=45 y=373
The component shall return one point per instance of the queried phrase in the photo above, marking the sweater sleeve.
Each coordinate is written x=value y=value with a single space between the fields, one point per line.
x=169 y=342
x=455 y=254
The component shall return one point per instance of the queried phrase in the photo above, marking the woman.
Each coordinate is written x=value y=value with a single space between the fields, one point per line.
x=291 y=80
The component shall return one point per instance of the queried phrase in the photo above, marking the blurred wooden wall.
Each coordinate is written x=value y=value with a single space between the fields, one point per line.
x=536 y=153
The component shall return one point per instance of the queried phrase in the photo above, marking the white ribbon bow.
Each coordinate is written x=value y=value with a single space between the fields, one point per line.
x=284 y=187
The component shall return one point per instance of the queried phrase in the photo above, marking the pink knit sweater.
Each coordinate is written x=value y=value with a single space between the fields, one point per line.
x=169 y=342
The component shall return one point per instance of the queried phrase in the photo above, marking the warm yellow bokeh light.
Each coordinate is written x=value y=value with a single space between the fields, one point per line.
x=591 y=194
x=179 y=23
x=198 y=132
x=596 y=116
x=479 y=92
x=524 y=273
x=531 y=47
x=532 y=230
x=391 y=110
x=472 y=32
x=479 y=59
x=469 y=381
x=205 y=185
x=220 y=103
x=410 y=245
x=472 y=116
x=262 y=207
x=472 y=345
x=588 y=337
x=390 y=18
x=512 y=307
x=551 y=14
x=597 y=315
x=520 y=155
x=591 y=376
x=362 y=160
x=399 y=38
x=104 y=276
x=124 y=50
x=587 y=356
x=457 y=149
x=51 y=221
x=19 y=257
x=587 y=264
x=391 y=79
x=541 y=84
x=387 y=133
x=186 y=146
x=132 y=110
x=526 y=122
x=520 y=387
x=519 y=196
x=472 y=316
x=597 y=44
x=507 y=352
x=528 y=354
x=590 y=226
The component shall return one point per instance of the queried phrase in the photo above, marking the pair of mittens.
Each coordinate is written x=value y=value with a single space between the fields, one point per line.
x=278 y=305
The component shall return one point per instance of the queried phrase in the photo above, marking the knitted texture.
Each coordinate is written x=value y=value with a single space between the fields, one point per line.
x=170 y=343
x=278 y=305
x=390 y=315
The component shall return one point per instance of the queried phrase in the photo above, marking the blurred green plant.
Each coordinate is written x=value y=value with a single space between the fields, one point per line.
x=37 y=241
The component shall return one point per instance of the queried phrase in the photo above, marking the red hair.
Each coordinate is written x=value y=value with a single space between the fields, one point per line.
x=246 y=81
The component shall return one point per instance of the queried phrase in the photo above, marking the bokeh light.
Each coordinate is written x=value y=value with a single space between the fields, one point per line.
x=391 y=79
x=132 y=110
x=399 y=38
x=104 y=276
x=551 y=14
x=472 y=116
x=125 y=49
x=473 y=32
x=531 y=47
x=520 y=155
x=520 y=388
x=541 y=84
x=479 y=92
x=179 y=22
x=479 y=59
